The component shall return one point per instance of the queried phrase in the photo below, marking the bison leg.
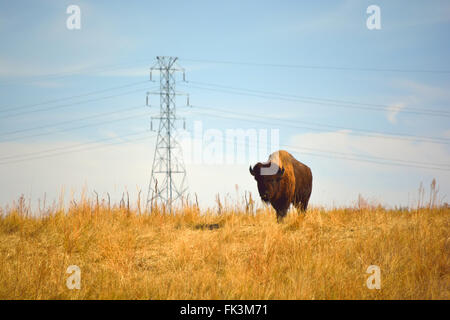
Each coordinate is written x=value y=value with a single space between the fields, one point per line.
x=301 y=206
x=281 y=214
x=304 y=205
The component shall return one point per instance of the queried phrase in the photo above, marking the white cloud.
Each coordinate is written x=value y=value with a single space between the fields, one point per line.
x=107 y=169
x=422 y=90
x=393 y=111
x=417 y=95
x=128 y=166
x=341 y=180
x=379 y=146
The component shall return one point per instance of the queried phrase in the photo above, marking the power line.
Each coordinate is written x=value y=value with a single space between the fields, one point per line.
x=98 y=115
x=384 y=106
x=319 y=67
x=328 y=102
x=338 y=155
x=79 y=127
x=79 y=71
x=363 y=158
x=374 y=134
x=75 y=128
x=37 y=155
x=371 y=157
x=81 y=150
x=70 y=104
x=114 y=67
x=403 y=164
x=26 y=106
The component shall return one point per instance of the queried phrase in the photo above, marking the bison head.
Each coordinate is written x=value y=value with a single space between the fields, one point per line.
x=267 y=183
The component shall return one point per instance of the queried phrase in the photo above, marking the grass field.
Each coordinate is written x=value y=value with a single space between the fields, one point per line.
x=232 y=255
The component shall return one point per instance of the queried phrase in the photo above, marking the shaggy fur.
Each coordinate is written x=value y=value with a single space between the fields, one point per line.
x=292 y=184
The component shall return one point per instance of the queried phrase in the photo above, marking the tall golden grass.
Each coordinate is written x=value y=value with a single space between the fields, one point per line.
x=124 y=253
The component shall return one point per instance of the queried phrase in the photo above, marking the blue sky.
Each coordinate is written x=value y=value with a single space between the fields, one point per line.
x=118 y=42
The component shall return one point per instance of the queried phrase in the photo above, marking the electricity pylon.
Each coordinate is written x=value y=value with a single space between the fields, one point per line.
x=168 y=179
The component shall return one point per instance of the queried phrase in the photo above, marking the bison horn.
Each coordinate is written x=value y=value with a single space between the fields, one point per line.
x=251 y=171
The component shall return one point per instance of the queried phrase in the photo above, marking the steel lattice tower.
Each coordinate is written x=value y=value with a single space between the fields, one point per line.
x=167 y=182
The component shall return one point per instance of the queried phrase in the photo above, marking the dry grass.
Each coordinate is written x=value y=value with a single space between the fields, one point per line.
x=322 y=255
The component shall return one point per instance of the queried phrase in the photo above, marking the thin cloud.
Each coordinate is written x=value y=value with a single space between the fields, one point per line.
x=377 y=147
x=393 y=111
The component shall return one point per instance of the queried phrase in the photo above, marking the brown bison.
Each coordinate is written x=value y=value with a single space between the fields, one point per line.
x=283 y=180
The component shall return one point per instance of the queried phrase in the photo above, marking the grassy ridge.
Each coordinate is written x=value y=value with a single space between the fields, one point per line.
x=321 y=255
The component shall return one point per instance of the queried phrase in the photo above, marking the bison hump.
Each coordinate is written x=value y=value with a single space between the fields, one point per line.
x=282 y=158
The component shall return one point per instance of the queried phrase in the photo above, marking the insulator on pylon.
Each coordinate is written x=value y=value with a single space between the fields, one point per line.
x=188 y=101
x=184 y=124
x=146 y=101
x=151 y=75
x=151 y=125
x=184 y=76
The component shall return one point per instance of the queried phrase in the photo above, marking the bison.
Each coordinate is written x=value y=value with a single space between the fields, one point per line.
x=283 y=181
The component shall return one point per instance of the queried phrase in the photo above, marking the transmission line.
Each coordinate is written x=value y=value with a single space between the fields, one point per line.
x=445 y=165
x=403 y=164
x=48 y=153
x=98 y=115
x=26 y=106
x=384 y=106
x=328 y=102
x=360 y=158
x=319 y=67
x=80 y=150
x=80 y=71
x=76 y=128
x=291 y=123
x=70 y=104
